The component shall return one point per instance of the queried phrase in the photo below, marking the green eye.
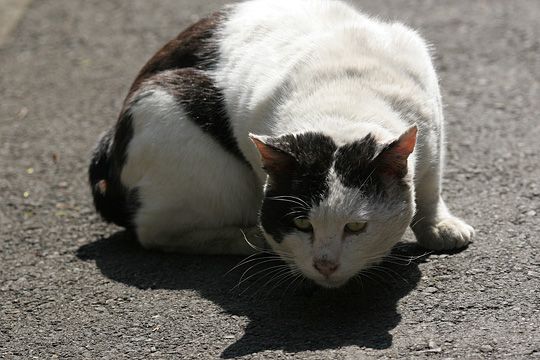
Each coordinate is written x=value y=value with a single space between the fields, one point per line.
x=355 y=227
x=303 y=224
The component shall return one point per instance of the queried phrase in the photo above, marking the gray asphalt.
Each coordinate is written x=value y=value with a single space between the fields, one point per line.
x=73 y=287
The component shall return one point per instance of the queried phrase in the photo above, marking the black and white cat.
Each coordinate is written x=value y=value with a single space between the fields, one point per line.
x=307 y=117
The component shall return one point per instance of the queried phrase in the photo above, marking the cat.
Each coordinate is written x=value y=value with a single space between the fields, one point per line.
x=305 y=120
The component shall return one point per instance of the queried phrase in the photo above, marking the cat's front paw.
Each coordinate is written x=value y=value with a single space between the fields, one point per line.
x=445 y=234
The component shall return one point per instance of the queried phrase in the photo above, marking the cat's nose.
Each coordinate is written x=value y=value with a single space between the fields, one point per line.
x=325 y=267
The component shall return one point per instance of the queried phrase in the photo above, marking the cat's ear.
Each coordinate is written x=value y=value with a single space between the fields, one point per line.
x=275 y=160
x=392 y=160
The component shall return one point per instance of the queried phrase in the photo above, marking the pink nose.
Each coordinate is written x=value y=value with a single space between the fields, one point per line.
x=325 y=267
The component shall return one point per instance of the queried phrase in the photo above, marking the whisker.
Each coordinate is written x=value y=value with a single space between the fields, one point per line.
x=359 y=279
x=242 y=279
x=290 y=198
x=278 y=278
x=301 y=205
x=378 y=279
x=417 y=221
x=302 y=279
x=293 y=273
x=408 y=259
x=300 y=212
x=273 y=274
x=367 y=179
x=299 y=276
x=253 y=246
x=389 y=271
x=245 y=262
x=265 y=251
x=255 y=265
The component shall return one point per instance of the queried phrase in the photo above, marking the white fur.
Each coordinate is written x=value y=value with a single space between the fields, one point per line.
x=178 y=195
x=270 y=45
x=276 y=66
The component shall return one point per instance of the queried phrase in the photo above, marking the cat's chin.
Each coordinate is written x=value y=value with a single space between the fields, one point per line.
x=331 y=283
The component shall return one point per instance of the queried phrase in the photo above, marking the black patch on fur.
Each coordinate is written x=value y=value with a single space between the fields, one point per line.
x=178 y=68
x=118 y=204
x=355 y=165
x=203 y=103
x=193 y=47
x=359 y=165
x=292 y=194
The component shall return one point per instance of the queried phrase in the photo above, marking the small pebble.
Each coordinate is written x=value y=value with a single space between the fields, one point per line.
x=531 y=213
x=431 y=289
x=22 y=113
x=486 y=348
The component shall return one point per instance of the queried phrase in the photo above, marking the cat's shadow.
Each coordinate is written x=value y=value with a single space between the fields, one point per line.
x=288 y=317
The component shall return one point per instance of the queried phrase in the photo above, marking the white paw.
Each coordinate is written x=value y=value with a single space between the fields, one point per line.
x=446 y=234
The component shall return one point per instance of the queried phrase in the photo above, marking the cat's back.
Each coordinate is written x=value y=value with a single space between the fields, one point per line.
x=262 y=42
x=275 y=34
x=292 y=19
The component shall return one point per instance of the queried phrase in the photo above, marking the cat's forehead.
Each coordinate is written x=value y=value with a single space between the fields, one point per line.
x=309 y=149
x=318 y=154
x=341 y=201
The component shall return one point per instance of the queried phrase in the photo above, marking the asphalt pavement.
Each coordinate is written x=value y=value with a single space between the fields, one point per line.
x=73 y=287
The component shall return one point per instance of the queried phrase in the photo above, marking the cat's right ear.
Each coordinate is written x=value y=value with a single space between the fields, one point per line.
x=275 y=161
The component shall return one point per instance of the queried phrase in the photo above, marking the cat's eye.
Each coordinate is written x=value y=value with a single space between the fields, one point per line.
x=303 y=224
x=355 y=227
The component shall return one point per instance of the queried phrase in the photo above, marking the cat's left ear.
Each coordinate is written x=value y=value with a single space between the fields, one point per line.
x=392 y=160
x=275 y=160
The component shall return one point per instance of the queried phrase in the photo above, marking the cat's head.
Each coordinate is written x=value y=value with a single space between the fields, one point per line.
x=332 y=211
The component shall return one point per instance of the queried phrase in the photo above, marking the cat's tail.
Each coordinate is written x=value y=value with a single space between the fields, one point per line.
x=112 y=200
